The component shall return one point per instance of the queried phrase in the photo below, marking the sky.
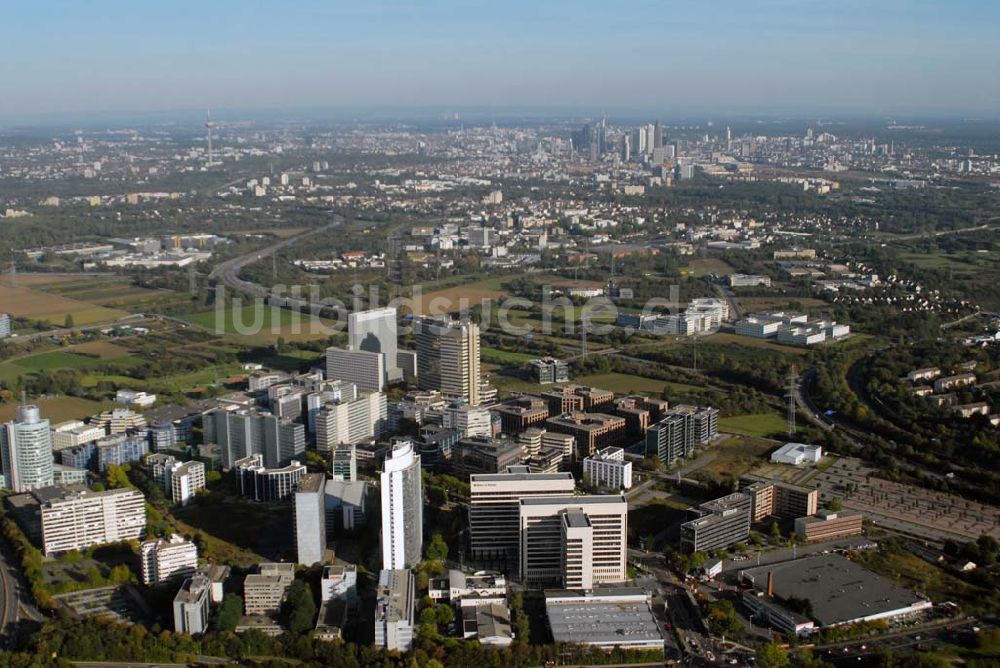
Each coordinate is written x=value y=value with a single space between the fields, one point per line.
x=60 y=58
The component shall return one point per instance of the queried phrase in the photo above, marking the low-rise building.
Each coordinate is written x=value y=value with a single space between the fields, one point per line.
x=395 y=610
x=604 y=617
x=827 y=525
x=264 y=591
x=718 y=523
x=549 y=370
x=797 y=454
x=608 y=469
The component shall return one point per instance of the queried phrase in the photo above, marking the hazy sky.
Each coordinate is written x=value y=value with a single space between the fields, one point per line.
x=720 y=56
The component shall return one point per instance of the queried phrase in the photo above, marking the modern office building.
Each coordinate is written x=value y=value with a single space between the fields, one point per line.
x=718 y=523
x=593 y=549
x=310 y=519
x=467 y=420
x=375 y=331
x=563 y=400
x=185 y=478
x=191 y=605
x=339 y=423
x=827 y=525
x=74 y=433
x=679 y=431
x=244 y=432
x=119 y=421
x=344 y=463
x=5 y=326
x=494 y=509
x=395 y=608
x=608 y=469
x=364 y=369
x=259 y=483
x=779 y=499
x=264 y=592
x=521 y=413
x=401 y=489
x=164 y=558
x=75 y=518
x=448 y=358
x=121 y=448
x=26 y=451
x=347 y=505
x=549 y=370
x=797 y=454
x=591 y=431
x=484 y=454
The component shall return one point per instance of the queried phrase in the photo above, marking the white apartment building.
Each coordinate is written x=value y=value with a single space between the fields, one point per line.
x=570 y=551
x=185 y=479
x=163 y=558
x=494 y=508
x=75 y=520
x=608 y=469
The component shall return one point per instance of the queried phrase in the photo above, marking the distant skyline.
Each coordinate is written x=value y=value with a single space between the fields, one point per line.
x=723 y=57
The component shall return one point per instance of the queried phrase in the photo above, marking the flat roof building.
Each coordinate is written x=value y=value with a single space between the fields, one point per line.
x=608 y=469
x=797 y=454
x=191 y=605
x=395 y=610
x=605 y=617
x=829 y=525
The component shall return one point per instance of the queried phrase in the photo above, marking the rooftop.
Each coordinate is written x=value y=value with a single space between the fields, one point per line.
x=839 y=589
x=607 y=617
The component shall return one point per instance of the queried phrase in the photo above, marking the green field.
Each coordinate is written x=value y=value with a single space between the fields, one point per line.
x=494 y=354
x=760 y=424
x=622 y=383
x=57 y=359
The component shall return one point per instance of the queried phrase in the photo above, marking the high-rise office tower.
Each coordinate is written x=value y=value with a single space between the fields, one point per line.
x=657 y=135
x=310 y=519
x=448 y=358
x=245 y=432
x=375 y=331
x=26 y=451
x=402 y=507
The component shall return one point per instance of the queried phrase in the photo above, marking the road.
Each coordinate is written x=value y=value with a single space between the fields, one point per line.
x=10 y=602
x=228 y=272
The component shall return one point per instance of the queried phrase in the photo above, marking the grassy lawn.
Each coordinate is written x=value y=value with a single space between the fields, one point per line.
x=238 y=527
x=654 y=517
x=751 y=342
x=495 y=354
x=735 y=456
x=760 y=424
x=57 y=359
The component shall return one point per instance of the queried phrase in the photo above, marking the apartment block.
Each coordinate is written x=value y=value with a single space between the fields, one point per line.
x=264 y=591
x=608 y=469
x=191 y=605
x=164 y=558
x=263 y=484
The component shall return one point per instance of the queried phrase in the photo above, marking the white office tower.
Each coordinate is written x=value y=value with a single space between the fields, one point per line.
x=467 y=420
x=346 y=422
x=310 y=519
x=402 y=507
x=448 y=358
x=163 y=558
x=26 y=451
x=494 y=508
x=185 y=479
x=395 y=608
x=374 y=331
x=361 y=367
x=191 y=605
x=329 y=391
x=246 y=432
x=573 y=542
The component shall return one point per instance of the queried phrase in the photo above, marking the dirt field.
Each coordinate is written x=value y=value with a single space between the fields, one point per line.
x=59 y=410
x=453 y=299
x=32 y=303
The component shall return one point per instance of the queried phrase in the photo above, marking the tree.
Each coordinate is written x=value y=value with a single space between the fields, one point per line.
x=229 y=613
x=834 y=505
x=300 y=608
x=722 y=619
x=772 y=655
x=68 y=321
x=522 y=627
x=437 y=549
x=775 y=532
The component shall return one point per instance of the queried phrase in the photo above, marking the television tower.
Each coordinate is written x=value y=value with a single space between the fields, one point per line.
x=209 y=125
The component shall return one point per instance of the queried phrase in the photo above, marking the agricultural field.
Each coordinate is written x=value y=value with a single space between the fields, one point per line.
x=621 y=383
x=760 y=424
x=709 y=265
x=264 y=325
x=59 y=409
x=754 y=304
x=26 y=302
x=452 y=299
